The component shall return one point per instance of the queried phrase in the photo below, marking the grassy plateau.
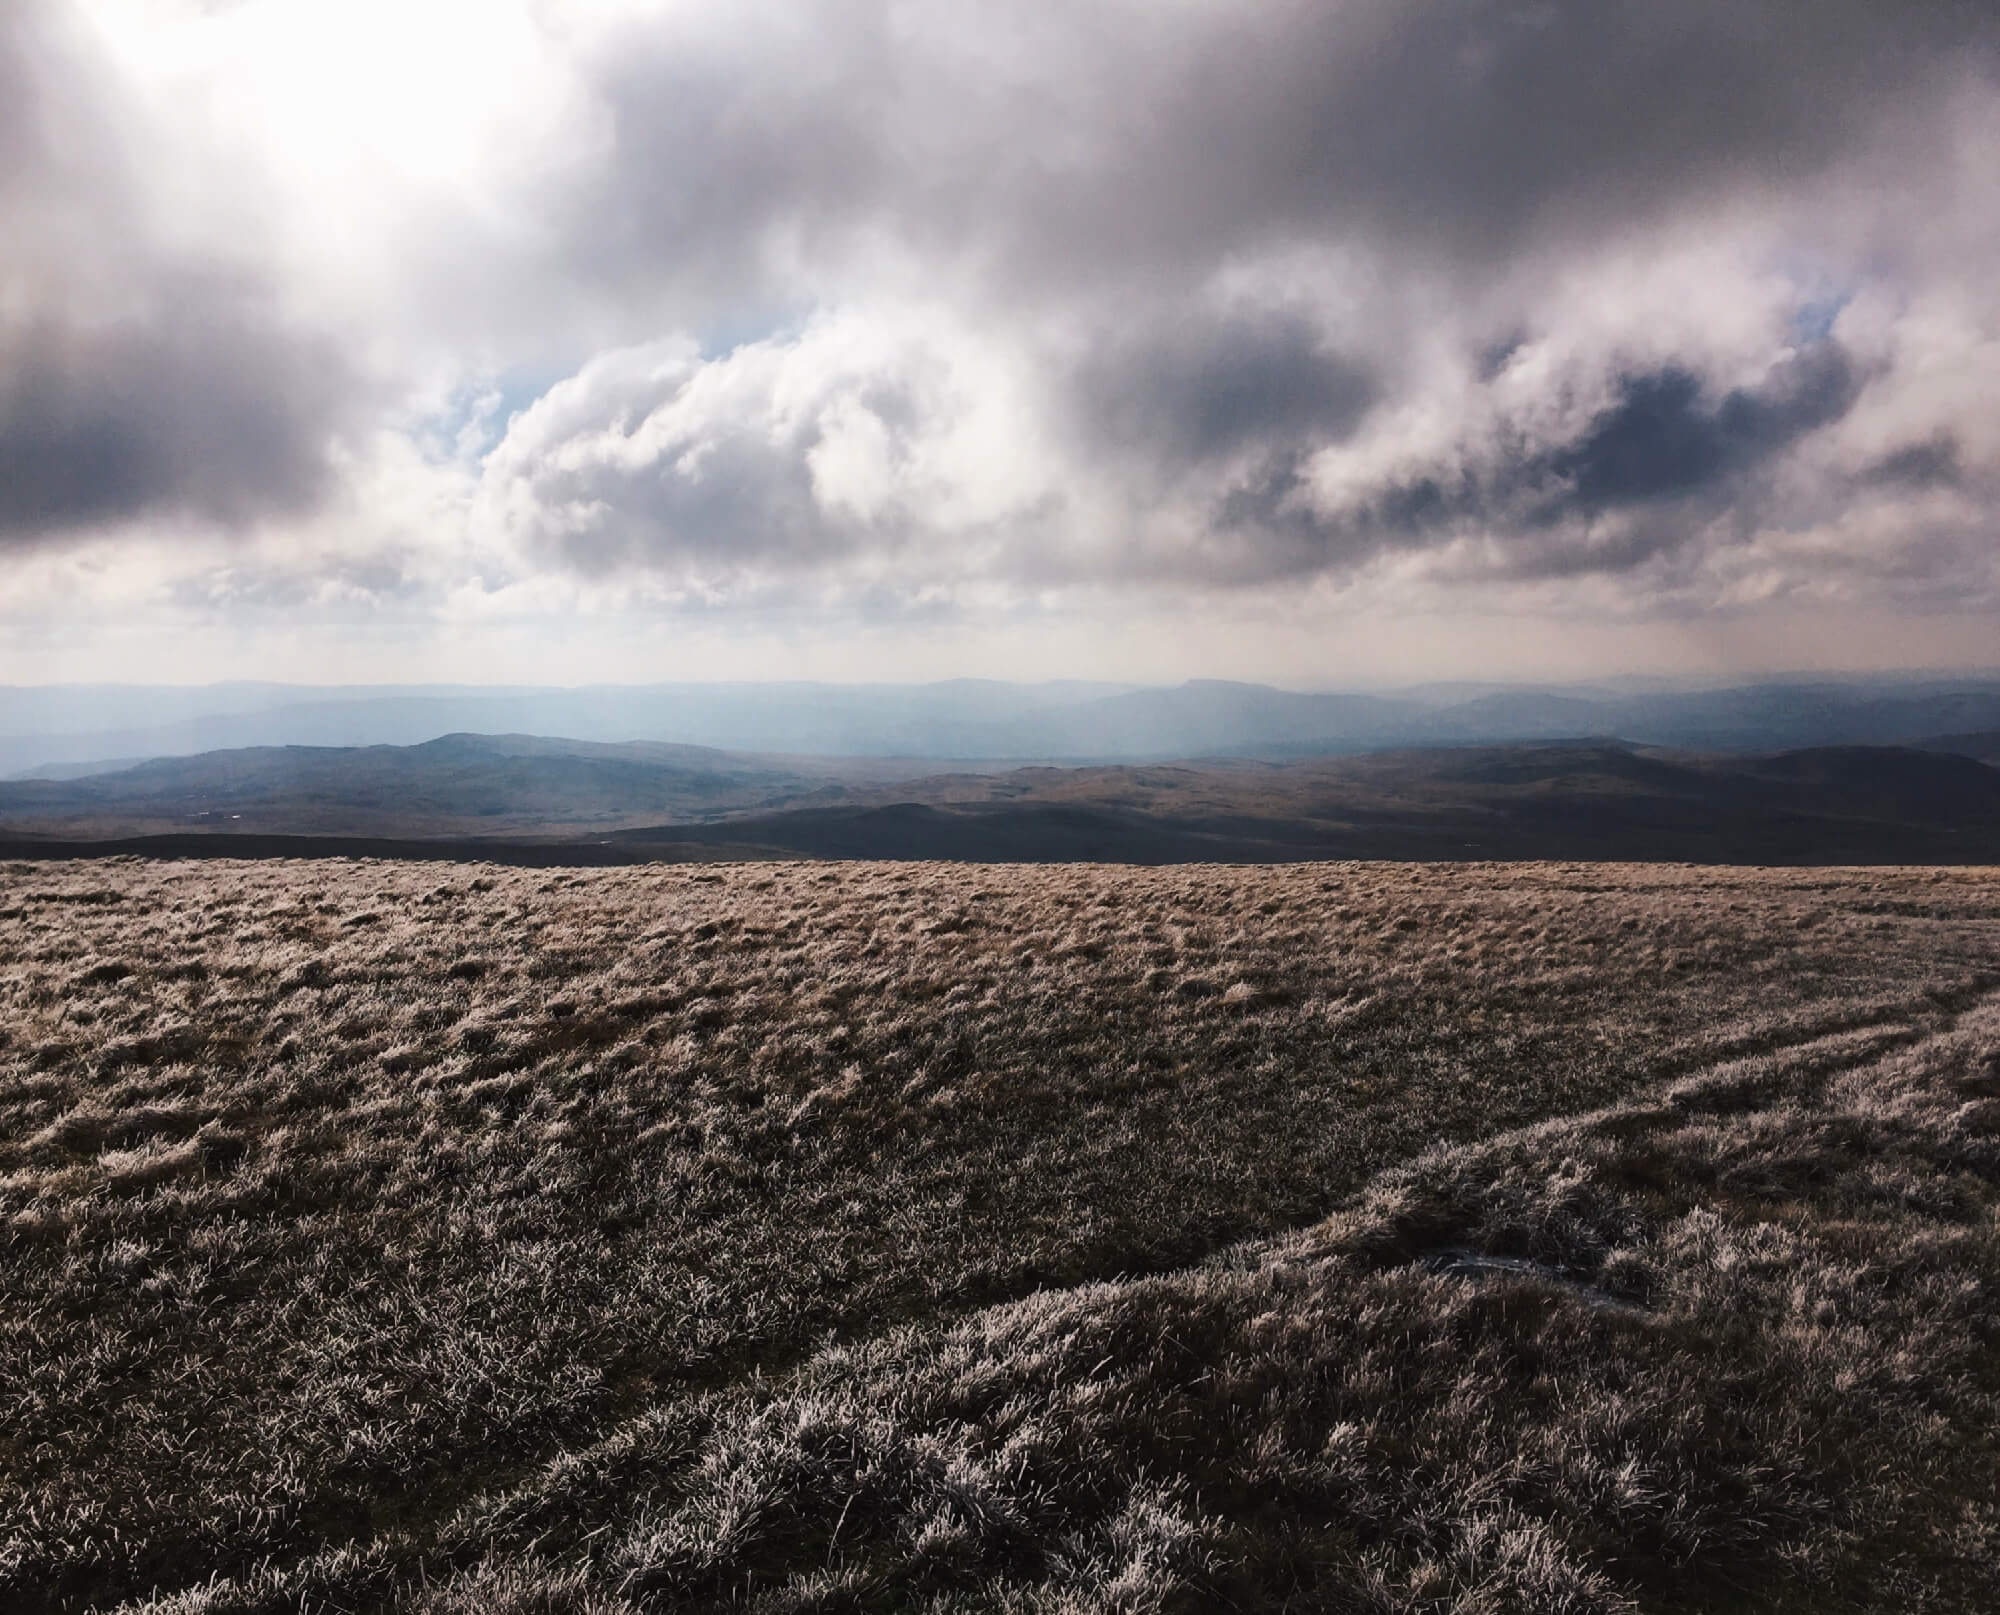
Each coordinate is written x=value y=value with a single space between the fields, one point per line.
x=845 y=1237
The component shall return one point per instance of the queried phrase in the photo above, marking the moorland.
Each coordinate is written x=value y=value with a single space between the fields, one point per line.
x=800 y=1236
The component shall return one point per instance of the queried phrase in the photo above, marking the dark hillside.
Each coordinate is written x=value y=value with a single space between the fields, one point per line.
x=1567 y=800
x=1984 y=745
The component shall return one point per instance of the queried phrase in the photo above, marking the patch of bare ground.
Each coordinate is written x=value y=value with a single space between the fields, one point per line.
x=831 y=1237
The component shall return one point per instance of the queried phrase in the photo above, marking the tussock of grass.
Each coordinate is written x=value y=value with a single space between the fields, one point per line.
x=795 y=1238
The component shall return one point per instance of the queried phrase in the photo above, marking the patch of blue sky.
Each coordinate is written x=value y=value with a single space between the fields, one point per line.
x=476 y=414
x=1819 y=291
x=747 y=328
x=1812 y=319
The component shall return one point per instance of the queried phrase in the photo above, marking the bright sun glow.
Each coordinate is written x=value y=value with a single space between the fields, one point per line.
x=361 y=87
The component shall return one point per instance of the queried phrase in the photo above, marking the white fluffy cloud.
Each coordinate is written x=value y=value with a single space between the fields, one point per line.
x=878 y=442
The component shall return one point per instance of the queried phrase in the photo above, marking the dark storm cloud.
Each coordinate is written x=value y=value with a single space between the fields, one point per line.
x=203 y=408
x=719 y=149
x=1273 y=512
x=1194 y=389
x=1664 y=439
x=133 y=382
x=1664 y=454
x=1930 y=464
x=1063 y=143
x=1480 y=126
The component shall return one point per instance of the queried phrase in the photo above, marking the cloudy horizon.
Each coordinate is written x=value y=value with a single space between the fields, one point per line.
x=1318 y=344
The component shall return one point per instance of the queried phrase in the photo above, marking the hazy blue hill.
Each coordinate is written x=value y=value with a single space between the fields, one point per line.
x=1778 y=716
x=972 y=720
x=78 y=770
x=444 y=786
x=1518 y=715
x=76 y=726
x=1202 y=718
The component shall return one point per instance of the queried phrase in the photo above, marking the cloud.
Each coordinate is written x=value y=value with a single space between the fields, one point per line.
x=1046 y=145
x=1688 y=305
x=1231 y=256
x=203 y=406
x=139 y=378
x=1661 y=440
x=1476 y=130
x=862 y=440
x=1192 y=388
x=1931 y=464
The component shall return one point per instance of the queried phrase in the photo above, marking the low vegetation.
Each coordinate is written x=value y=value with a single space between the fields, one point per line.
x=822 y=1237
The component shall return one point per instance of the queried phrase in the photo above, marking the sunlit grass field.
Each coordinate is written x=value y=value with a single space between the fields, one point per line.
x=876 y=1237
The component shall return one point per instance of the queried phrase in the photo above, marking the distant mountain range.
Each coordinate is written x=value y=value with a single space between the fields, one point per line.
x=455 y=785
x=524 y=798
x=66 y=730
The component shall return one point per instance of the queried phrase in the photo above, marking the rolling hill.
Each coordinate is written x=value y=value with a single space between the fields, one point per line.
x=454 y=785
x=521 y=798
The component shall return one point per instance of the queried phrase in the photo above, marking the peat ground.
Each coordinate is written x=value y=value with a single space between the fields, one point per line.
x=803 y=1236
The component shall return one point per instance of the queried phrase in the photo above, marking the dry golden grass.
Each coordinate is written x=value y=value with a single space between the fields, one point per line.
x=864 y=1236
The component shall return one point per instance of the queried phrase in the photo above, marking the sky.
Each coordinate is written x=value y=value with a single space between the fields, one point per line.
x=1333 y=344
